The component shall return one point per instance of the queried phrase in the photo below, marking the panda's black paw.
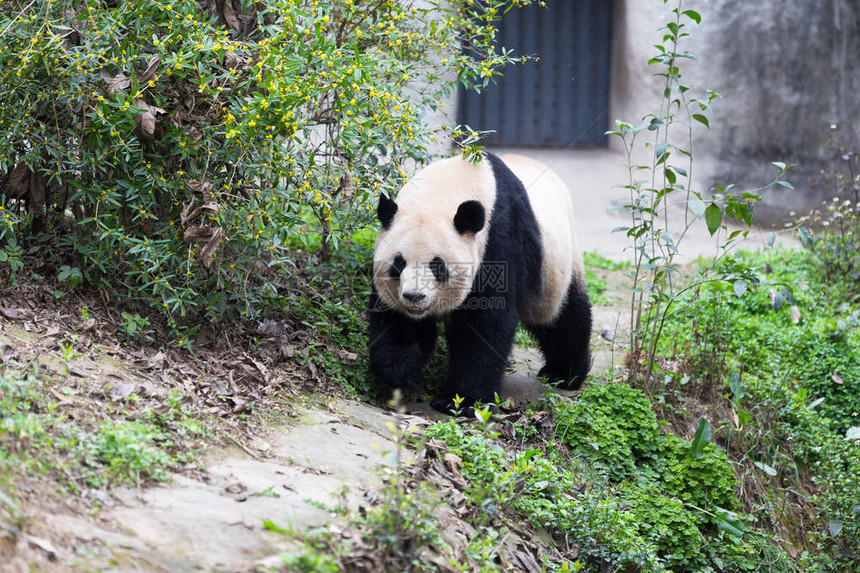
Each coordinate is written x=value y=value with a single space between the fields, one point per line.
x=565 y=382
x=550 y=375
x=445 y=404
x=398 y=371
x=573 y=384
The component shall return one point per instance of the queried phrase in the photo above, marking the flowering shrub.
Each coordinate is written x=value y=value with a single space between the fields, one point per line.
x=832 y=233
x=182 y=148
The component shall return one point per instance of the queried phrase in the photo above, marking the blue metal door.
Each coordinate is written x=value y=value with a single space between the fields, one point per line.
x=562 y=99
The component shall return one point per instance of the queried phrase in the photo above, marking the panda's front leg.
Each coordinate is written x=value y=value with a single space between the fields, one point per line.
x=479 y=343
x=399 y=347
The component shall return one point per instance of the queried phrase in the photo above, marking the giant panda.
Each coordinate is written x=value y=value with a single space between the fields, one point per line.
x=478 y=245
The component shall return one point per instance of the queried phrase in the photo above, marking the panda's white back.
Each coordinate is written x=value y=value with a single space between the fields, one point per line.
x=553 y=208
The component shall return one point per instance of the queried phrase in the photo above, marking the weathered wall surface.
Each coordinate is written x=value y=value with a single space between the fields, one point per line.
x=788 y=71
x=793 y=69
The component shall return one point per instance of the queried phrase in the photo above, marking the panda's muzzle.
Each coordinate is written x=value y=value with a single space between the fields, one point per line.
x=415 y=301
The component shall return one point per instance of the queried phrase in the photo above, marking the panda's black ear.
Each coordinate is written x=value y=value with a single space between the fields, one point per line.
x=386 y=210
x=470 y=217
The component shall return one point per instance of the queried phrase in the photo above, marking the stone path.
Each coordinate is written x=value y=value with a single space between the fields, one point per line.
x=217 y=524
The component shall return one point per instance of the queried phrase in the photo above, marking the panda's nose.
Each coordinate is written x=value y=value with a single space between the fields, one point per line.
x=414 y=296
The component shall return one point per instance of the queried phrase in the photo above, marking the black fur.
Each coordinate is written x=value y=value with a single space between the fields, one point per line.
x=480 y=332
x=564 y=343
x=439 y=269
x=397 y=266
x=386 y=210
x=470 y=217
x=399 y=346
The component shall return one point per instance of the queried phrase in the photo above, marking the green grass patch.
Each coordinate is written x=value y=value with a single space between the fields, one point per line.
x=87 y=450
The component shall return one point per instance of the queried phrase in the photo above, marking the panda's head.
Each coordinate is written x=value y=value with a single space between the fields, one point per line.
x=432 y=239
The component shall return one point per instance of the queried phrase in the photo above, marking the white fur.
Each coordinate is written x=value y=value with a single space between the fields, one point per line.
x=423 y=228
x=562 y=261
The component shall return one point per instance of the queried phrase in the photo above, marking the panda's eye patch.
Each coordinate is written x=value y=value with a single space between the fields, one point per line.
x=439 y=269
x=397 y=267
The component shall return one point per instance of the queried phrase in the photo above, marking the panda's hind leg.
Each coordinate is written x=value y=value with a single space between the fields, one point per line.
x=565 y=342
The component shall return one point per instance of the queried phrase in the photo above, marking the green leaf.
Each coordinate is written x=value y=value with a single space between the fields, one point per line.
x=670 y=176
x=660 y=149
x=693 y=15
x=770 y=239
x=272 y=526
x=787 y=294
x=702 y=119
x=785 y=184
x=697 y=206
x=777 y=299
x=835 y=526
x=702 y=438
x=736 y=386
x=765 y=468
x=713 y=218
x=655 y=124
x=728 y=522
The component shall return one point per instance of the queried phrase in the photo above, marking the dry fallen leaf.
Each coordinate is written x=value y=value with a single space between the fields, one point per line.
x=9 y=312
x=145 y=121
x=454 y=463
x=149 y=73
x=121 y=391
x=345 y=355
x=115 y=82
x=202 y=187
x=7 y=353
x=19 y=180
x=235 y=488
x=230 y=17
x=207 y=253
x=187 y=215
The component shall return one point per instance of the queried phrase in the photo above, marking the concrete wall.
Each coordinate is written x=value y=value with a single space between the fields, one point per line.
x=788 y=70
